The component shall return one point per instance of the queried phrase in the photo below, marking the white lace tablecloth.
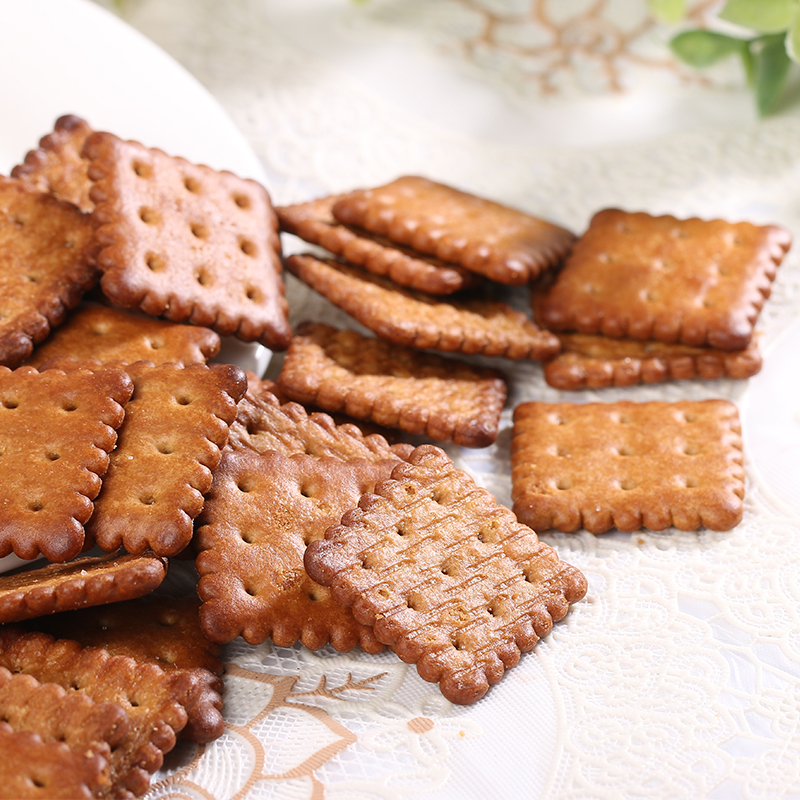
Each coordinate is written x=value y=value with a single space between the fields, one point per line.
x=679 y=674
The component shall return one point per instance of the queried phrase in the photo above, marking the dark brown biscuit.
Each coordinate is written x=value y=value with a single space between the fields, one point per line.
x=260 y=514
x=595 y=362
x=448 y=579
x=367 y=378
x=697 y=282
x=187 y=242
x=314 y=222
x=175 y=426
x=628 y=465
x=47 y=262
x=87 y=581
x=411 y=319
x=57 y=166
x=494 y=240
x=108 y=334
x=56 y=431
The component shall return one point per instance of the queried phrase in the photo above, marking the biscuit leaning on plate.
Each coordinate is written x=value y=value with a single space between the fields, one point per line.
x=186 y=242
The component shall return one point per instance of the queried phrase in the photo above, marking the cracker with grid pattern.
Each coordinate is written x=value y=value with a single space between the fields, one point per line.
x=447 y=577
x=473 y=325
x=263 y=423
x=108 y=334
x=262 y=511
x=155 y=701
x=176 y=424
x=628 y=465
x=47 y=262
x=596 y=362
x=186 y=242
x=58 y=166
x=368 y=378
x=85 y=581
x=693 y=281
x=314 y=222
x=56 y=433
x=502 y=243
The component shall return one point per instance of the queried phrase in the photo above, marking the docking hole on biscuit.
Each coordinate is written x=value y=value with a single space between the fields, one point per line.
x=147 y=499
x=142 y=170
x=203 y=277
x=241 y=200
x=148 y=215
x=52 y=455
x=198 y=230
x=10 y=402
x=183 y=399
x=248 y=247
x=69 y=405
x=154 y=263
x=156 y=344
x=191 y=184
x=35 y=505
x=165 y=448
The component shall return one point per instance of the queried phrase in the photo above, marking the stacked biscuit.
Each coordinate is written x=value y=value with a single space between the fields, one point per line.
x=122 y=267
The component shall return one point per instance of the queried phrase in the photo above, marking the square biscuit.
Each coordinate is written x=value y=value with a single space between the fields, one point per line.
x=491 y=239
x=368 y=378
x=186 y=242
x=627 y=465
x=693 y=281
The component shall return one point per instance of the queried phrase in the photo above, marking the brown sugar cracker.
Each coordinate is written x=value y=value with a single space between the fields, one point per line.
x=186 y=242
x=154 y=700
x=58 y=166
x=368 y=378
x=47 y=262
x=263 y=423
x=260 y=514
x=697 y=282
x=502 y=243
x=107 y=334
x=56 y=433
x=447 y=578
x=86 y=581
x=410 y=319
x=314 y=222
x=596 y=362
x=175 y=426
x=628 y=465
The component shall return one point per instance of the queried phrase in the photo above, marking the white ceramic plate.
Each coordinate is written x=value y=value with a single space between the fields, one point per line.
x=69 y=56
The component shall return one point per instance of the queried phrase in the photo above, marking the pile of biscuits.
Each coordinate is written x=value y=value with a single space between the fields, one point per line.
x=119 y=434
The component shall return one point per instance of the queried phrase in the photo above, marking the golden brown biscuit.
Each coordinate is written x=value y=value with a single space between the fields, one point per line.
x=697 y=282
x=314 y=222
x=47 y=262
x=187 y=242
x=504 y=244
x=411 y=319
x=107 y=334
x=260 y=514
x=628 y=465
x=56 y=433
x=57 y=166
x=448 y=579
x=595 y=362
x=87 y=581
x=367 y=378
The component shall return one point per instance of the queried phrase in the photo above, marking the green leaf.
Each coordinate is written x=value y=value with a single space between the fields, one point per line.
x=667 y=10
x=771 y=66
x=703 y=48
x=793 y=39
x=764 y=16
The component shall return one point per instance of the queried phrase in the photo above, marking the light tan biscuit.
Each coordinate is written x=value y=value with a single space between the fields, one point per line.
x=57 y=166
x=87 y=581
x=447 y=578
x=502 y=243
x=697 y=282
x=411 y=319
x=596 y=362
x=368 y=378
x=314 y=223
x=261 y=512
x=107 y=334
x=47 y=262
x=186 y=242
x=56 y=433
x=628 y=465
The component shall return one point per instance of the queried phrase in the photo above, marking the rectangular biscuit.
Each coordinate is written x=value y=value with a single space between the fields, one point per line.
x=368 y=378
x=502 y=243
x=627 y=465
x=693 y=281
